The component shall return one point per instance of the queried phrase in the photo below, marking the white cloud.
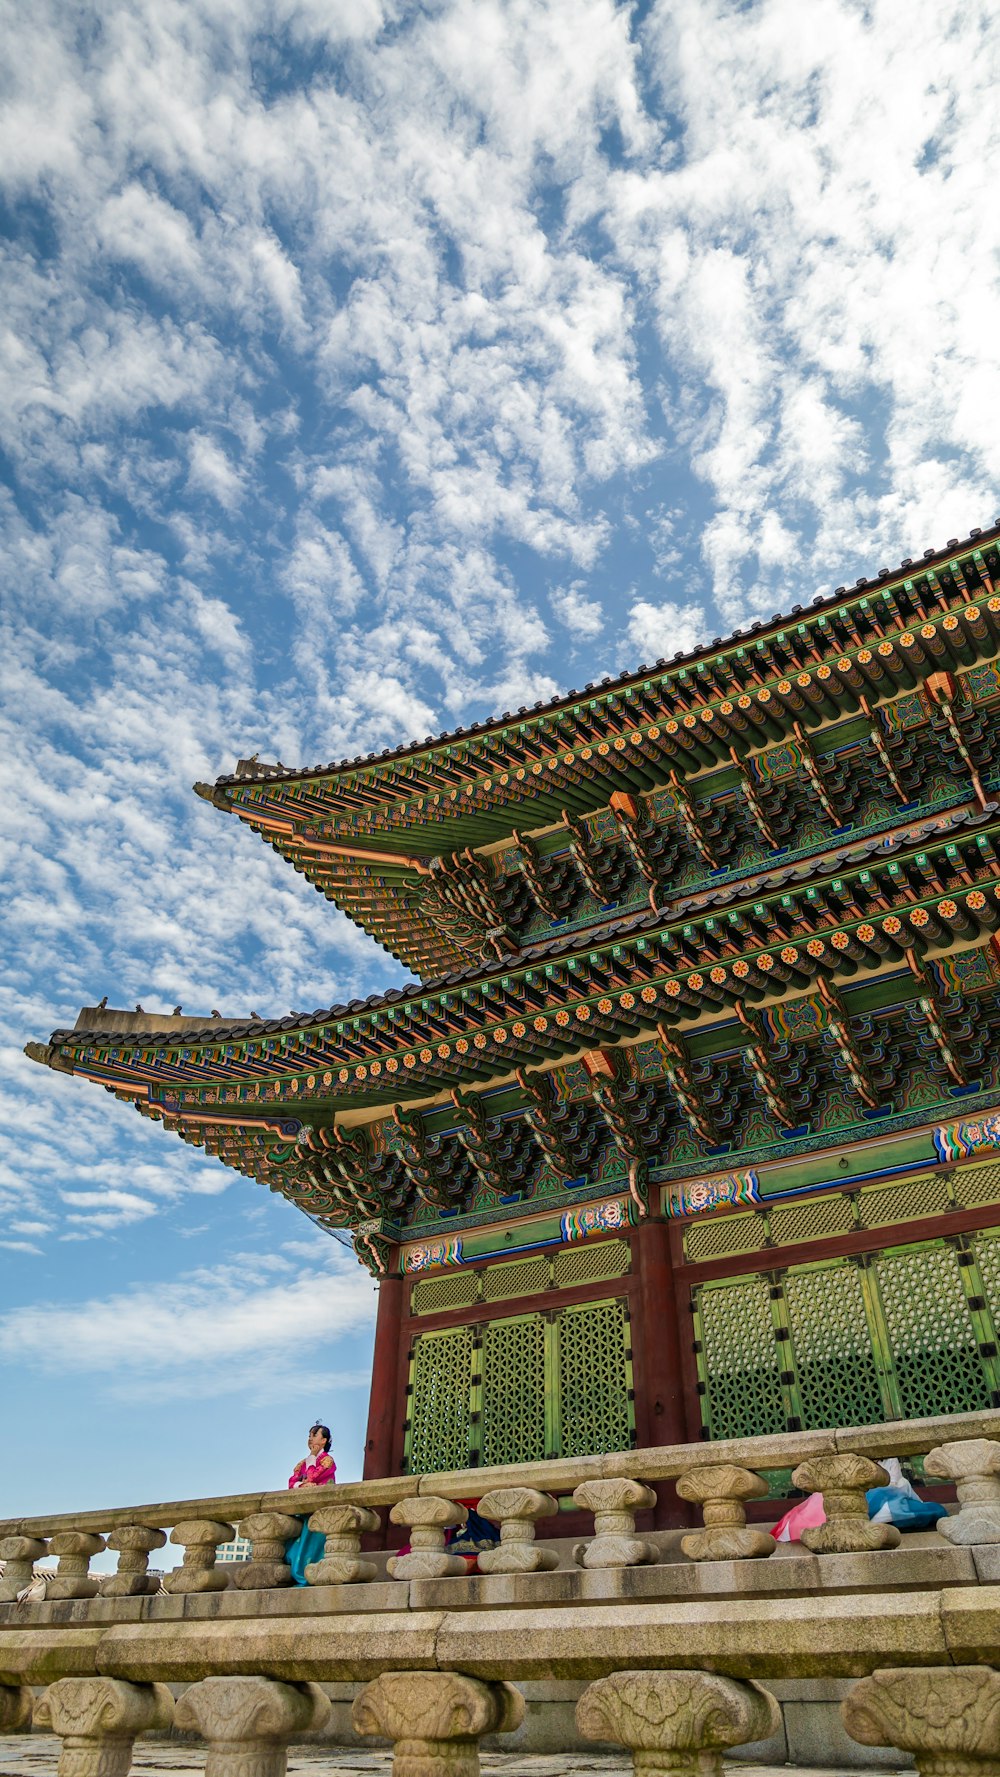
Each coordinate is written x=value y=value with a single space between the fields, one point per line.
x=235 y=1312
x=581 y=615
x=658 y=631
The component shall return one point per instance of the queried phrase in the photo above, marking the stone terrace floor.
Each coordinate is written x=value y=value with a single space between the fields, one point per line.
x=36 y=1755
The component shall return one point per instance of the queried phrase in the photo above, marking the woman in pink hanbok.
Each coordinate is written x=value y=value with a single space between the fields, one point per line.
x=315 y=1470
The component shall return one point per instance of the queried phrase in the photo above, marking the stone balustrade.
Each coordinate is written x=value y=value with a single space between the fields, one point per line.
x=719 y=1478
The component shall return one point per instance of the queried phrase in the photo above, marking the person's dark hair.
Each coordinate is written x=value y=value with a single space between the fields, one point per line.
x=325 y=1429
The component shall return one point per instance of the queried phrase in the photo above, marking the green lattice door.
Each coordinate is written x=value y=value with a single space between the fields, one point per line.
x=513 y=1412
x=738 y=1358
x=594 y=1399
x=520 y=1388
x=839 y=1378
x=938 y=1329
x=438 y=1400
x=896 y=1334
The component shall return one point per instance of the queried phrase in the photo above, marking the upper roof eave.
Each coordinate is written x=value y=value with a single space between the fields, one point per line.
x=185 y=1030
x=248 y=771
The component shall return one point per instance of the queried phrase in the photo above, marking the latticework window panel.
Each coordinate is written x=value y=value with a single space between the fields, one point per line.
x=977 y=1186
x=987 y=1250
x=740 y=1370
x=591 y=1264
x=931 y=1334
x=514 y=1396
x=724 y=1237
x=453 y=1289
x=817 y=1218
x=438 y=1436
x=595 y=1411
x=907 y=1202
x=521 y=1277
x=834 y=1364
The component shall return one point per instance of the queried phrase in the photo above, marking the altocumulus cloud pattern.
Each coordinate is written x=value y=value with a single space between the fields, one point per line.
x=365 y=369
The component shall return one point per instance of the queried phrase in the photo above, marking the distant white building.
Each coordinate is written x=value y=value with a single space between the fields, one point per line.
x=237 y=1550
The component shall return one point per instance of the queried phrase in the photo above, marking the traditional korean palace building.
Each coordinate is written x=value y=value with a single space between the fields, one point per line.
x=690 y=1125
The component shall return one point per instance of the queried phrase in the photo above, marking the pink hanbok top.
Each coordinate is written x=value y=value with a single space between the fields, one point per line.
x=313 y=1474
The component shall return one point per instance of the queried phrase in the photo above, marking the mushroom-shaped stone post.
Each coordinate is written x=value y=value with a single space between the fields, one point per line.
x=516 y=1510
x=428 y=1518
x=948 y=1717
x=269 y=1533
x=436 y=1720
x=248 y=1722
x=843 y=1482
x=614 y=1504
x=72 y=1578
x=679 y=1722
x=15 y=1708
x=199 y=1538
x=97 y=1720
x=974 y=1466
x=19 y=1554
x=134 y=1544
x=341 y=1563
x=720 y=1489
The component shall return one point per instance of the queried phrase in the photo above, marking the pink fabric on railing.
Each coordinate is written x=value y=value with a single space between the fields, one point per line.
x=805 y=1515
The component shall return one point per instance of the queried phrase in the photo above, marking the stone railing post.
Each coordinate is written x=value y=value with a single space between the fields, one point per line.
x=269 y=1534
x=428 y=1518
x=15 y=1708
x=516 y=1510
x=720 y=1490
x=948 y=1717
x=679 y=1722
x=974 y=1466
x=199 y=1538
x=614 y=1505
x=341 y=1563
x=19 y=1554
x=843 y=1482
x=134 y=1545
x=72 y=1578
x=97 y=1720
x=436 y=1720
x=248 y=1722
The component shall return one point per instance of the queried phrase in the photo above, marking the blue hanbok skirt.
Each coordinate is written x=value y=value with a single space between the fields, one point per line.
x=309 y=1545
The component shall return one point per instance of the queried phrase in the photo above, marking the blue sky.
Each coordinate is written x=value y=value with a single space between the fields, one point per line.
x=366 y=369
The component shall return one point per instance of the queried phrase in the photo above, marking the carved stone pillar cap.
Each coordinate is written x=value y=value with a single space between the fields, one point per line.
x=264 y=1709
x=720 y=1480
x=930 y=1711
x=264 y=1526
x=428 y=1509
x=344 y=1520
x=966 y=1457
x=516 y=1502
x=839 y=1473
x=202 y=1530
x=103 y=1708
x=616 y=1495
x=76 y=1542
x=22 y=1548
x=15 y=1708
x=130 y=1537
x=436 y=1706
x=676 y=1711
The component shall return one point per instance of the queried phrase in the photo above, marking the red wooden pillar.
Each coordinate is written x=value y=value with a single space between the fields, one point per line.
x=383 y=1407
x=657 y=1358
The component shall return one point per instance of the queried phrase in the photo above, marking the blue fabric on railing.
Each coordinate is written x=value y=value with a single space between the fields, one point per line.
x=309 y=1545
x=891 y=1505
